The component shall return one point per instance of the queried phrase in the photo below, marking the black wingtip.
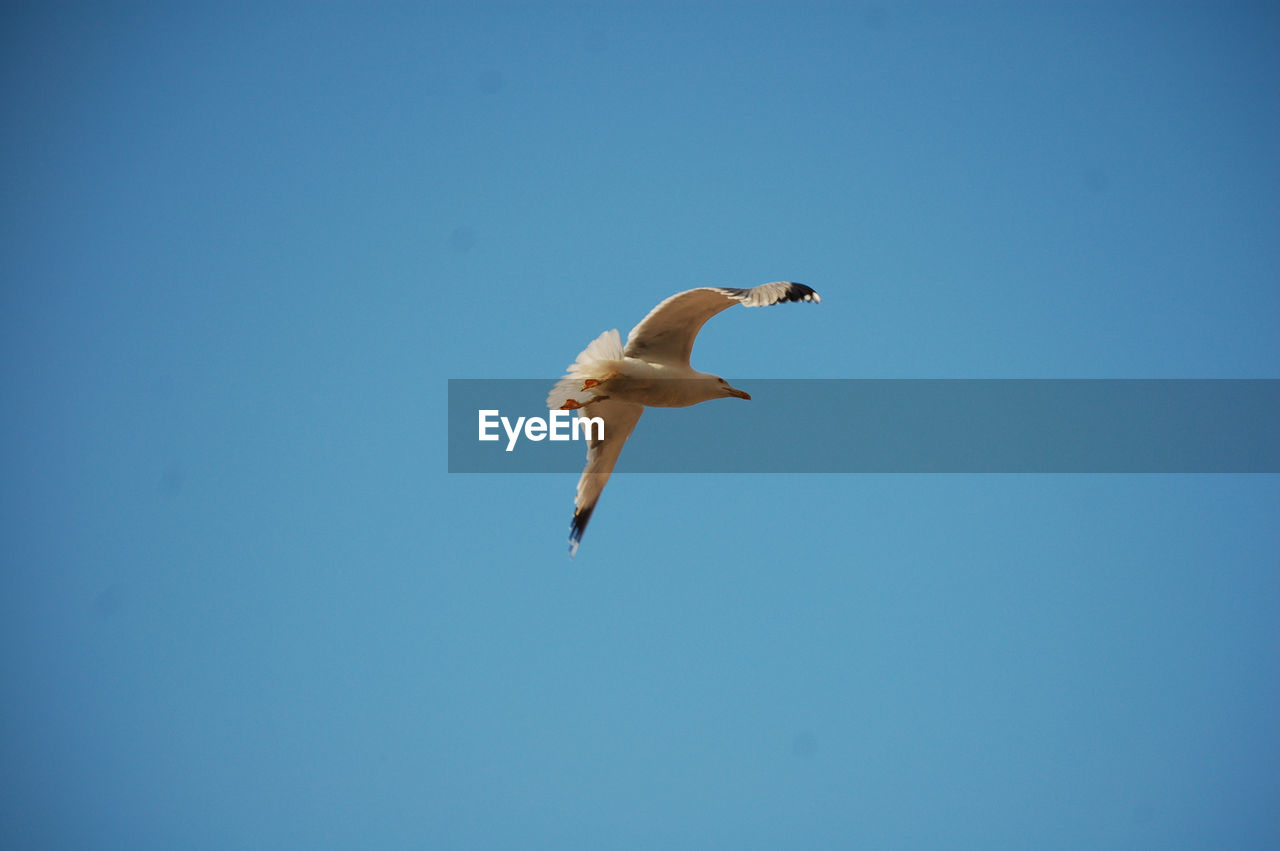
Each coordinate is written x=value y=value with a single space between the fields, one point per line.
x=800 y=292
x=577 y=527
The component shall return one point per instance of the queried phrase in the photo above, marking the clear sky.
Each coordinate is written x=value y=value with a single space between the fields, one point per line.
x=243 y=604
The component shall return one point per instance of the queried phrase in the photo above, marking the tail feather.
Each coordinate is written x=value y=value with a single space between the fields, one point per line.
x=595 y=361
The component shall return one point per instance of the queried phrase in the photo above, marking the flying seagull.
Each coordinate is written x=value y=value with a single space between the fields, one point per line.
x=615 y=383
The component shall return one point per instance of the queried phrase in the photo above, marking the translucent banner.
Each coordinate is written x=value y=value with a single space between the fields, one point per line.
x=892 y=426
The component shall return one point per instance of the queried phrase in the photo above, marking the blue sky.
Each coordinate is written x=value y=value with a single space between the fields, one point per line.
x=243 y=604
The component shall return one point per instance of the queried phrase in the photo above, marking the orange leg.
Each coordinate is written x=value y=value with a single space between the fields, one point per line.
x=574 y=404
x=591 y=382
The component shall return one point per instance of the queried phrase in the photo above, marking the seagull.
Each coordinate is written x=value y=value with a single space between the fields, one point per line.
x=616 y=383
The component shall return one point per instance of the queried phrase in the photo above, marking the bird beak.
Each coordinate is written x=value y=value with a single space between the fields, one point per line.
x=739 y=393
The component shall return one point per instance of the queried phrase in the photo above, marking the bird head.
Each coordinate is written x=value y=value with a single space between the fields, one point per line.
x=726 y=390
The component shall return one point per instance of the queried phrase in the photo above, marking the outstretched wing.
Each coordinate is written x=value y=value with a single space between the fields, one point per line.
x=619 y=419
x=666 y=335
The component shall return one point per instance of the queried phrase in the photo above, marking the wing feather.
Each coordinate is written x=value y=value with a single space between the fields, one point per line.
x=667 y=333
x=620 y=419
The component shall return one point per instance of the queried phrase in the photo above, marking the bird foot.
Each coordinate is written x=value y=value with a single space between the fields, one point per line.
x=592 y=382
x=574 y=404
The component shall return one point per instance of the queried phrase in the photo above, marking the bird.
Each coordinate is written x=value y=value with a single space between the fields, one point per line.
x=616 y=383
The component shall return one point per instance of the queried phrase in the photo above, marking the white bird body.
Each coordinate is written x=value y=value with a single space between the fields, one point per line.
x=658 y=385
x=616 y=383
